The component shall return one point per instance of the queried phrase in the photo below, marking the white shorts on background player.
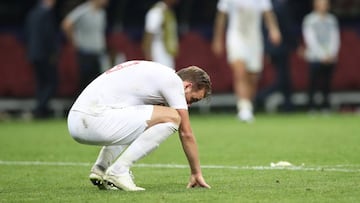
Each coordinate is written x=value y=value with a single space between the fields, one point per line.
x=243 y=37
x=154 y=24
x=114 y=108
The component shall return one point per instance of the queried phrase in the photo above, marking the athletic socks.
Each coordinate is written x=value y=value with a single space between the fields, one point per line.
x=245 y=110
x=244 y=104
x=149 y=140
x=108 y=154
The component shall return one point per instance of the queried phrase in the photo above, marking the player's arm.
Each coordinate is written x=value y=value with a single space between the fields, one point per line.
x=67 y=26
x=188 y=142
x=272 y=26
x=219 y=33
x=146 y=45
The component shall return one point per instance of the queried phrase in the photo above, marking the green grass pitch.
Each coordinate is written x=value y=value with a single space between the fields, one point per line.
x=39 y=162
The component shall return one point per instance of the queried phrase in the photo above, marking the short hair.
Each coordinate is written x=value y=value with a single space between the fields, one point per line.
x=198 y=77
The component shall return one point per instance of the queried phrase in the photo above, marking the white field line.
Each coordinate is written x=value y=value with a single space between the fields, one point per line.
x=335 y=168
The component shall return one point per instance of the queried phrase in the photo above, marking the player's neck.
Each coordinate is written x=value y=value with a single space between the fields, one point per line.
x=321 y=13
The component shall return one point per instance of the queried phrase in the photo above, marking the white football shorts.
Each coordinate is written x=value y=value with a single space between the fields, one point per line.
x=250 y=51
x=111 y=127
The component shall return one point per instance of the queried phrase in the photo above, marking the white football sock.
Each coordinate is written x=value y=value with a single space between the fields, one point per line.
x=143 y=145
x=244 y=104
x=108 y=154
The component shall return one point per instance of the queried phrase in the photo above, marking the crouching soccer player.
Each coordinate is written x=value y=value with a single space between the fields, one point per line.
x=131 y=109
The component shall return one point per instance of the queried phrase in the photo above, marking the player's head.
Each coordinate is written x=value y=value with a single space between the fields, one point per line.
x=100 y=3
x=197 y=83
x=171 y=2
x=321 y=6
x=49 y=3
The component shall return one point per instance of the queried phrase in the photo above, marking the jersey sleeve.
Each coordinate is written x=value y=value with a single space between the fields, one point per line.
x=174 y=93
x=266 y=5
x=154 y=20
x=223 y=6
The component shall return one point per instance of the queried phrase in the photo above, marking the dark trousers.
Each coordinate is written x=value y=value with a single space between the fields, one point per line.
x=46 y=77
x=282 y=81
x=89 y=67
x=320 y=76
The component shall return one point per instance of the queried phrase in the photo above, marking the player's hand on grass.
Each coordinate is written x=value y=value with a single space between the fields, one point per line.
x=197 y=180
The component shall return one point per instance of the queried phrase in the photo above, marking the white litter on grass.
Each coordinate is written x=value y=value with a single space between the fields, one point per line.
x=283 y=164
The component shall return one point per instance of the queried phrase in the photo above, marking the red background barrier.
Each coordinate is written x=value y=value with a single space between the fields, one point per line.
x=17 y=79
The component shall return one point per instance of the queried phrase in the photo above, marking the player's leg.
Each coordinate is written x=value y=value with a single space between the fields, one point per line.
x=113 y=128
x=46 y=79
x=243 y=90
x=105 y=158
x=313 y=76
x=164 y=122
x=264 y=94
x=238 y=55
x=108 y=154
x=253 y=82
x=284 y=78
x=246 y=106
x=327 y=71
x=241 y=82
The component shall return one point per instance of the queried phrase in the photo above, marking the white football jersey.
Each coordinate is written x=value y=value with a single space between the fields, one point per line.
x=133 y=83
x=244 y=15
x=243 y=35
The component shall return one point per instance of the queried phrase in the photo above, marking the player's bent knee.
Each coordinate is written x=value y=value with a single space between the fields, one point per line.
x=164 y=115
x=175 y=117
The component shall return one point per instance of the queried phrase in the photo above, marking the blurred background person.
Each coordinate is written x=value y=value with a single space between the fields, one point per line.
x=160 y=41
x=42 y=48
x=85 y=29
x=279 y=57
x=322 y=41
x=244 y=45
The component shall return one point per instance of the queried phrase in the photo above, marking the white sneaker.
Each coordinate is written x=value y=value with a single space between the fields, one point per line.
x=246 y=115
x=96 y=176
x=124 y=182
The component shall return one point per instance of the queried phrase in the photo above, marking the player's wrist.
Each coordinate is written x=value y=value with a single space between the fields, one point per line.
x=196 y=173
